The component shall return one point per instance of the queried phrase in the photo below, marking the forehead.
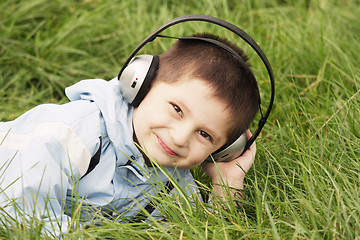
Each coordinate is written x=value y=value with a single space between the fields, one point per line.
x=197 y=99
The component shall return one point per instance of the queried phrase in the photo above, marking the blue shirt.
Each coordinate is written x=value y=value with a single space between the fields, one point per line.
x=45 y=153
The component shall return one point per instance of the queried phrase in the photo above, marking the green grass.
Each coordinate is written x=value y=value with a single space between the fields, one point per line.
x=305 y=180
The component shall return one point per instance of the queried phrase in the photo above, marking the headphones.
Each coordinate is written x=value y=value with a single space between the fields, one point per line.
x=137 y=73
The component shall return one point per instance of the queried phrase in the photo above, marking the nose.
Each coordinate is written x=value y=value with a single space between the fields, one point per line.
x=181 y=135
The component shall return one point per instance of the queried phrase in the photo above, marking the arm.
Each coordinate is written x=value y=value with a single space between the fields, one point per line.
x=32 y=185
x=41 y=159
x=231 y=173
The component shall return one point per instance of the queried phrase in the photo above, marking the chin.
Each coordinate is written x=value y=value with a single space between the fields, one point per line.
x=165 y=162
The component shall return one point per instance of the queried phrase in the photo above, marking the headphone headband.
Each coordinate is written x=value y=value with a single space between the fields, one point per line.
x=232 y=28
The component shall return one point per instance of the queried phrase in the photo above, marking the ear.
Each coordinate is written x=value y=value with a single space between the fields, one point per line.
x=136 y=78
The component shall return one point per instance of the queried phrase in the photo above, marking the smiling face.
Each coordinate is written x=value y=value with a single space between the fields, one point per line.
x=179 y=124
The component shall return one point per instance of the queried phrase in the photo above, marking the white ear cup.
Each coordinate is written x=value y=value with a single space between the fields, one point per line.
x=231 y=152
x=134 y=75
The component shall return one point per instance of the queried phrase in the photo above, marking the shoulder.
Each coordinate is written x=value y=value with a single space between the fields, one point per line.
x=80 y=120
x=68 y=114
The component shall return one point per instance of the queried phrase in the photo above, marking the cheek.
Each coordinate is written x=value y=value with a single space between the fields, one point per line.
x=200 y=153
x=151 y=119
x=195 y=162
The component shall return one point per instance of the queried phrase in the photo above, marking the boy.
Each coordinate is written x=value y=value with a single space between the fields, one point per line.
x=193 y=108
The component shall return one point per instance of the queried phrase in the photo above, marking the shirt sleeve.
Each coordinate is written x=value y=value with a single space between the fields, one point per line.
x=43 y=154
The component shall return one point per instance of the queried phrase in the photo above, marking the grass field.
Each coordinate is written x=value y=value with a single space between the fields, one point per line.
x=305 y=182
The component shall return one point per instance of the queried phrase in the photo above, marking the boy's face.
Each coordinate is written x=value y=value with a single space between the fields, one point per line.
x=179 y=124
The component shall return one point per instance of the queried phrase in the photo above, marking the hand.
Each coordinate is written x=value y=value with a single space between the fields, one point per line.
x=233 y=172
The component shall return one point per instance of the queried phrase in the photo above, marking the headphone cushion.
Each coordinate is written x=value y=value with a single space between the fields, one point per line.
x=136 y=78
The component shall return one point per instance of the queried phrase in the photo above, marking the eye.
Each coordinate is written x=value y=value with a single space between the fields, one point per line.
x=205 y=135
x=177 y=109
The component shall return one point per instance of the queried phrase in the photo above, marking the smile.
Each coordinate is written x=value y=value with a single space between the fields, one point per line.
x=168 y=150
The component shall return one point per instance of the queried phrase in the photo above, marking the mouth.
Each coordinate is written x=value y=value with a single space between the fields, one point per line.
x=166 y=149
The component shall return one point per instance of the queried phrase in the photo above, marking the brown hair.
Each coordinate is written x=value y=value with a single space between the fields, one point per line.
x=230 y=78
